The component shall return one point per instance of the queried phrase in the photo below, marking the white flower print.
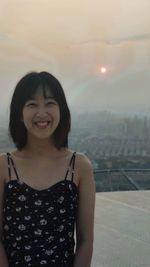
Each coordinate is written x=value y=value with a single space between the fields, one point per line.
x=43 y=222
x=27 y=218
x=18 y=209
x=70 y=186
x=49 y=252
x=61 y=199
x=70 y=234
x=18 y=238
x=38 y=202
x=66 y=254
x=14 y=244
x=51 y=238
x=27 y=258
x=61 y=239
x=43 y=262
x=22 y=227
x=38 y=232
x=62 y=210
x=22 y=198
x=27 y=247
x=60 y=228
x=10 y=186
x=50 y=209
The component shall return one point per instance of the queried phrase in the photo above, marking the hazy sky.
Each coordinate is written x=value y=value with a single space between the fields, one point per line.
x=73 y=40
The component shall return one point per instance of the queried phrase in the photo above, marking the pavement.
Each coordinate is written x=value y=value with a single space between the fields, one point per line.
x=122 y=229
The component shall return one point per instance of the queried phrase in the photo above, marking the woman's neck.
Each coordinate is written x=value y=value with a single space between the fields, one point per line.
x=41 y=149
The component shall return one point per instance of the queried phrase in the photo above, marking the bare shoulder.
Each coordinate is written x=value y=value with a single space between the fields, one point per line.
x=3 y=166
x=83 y=161
x=84 y=167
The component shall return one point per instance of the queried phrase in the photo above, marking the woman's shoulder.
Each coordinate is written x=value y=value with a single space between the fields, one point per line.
x=84 y=166
x=3 y=165
x=83 y=160
x=86 y=176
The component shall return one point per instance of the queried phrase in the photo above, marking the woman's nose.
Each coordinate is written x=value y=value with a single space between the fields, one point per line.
x=42 y=110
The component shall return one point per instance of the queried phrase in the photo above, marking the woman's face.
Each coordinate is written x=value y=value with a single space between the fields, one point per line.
x=41 y=115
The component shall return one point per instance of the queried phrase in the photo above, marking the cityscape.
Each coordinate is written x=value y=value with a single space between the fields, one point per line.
x=114 y=144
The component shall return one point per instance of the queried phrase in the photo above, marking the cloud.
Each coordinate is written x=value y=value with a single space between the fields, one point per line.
x=139 y=37
x=134 y=38
x=14 y=44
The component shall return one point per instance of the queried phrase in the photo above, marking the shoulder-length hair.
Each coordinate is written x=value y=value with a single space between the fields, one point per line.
x=24 y=90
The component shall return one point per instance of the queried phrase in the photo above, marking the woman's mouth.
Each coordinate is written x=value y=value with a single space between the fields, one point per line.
x=42 y=125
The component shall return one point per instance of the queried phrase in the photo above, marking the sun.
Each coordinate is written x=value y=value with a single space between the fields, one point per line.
x=103 y=70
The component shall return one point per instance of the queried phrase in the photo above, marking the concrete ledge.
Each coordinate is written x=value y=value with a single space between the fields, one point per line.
x=122 y=229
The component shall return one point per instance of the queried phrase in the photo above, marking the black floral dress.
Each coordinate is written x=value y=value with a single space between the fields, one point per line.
x=38 y=225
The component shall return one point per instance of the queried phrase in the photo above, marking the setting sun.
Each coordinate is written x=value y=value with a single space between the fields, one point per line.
x=103 y=70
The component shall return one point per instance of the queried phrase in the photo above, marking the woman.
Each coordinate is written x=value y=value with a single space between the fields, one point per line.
x=45 y=188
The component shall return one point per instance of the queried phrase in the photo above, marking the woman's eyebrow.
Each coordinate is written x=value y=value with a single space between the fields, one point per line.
x=47 y=98
x=31 y=99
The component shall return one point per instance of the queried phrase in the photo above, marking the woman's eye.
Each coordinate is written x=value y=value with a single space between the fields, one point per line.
x=50 y=103
x=31 y=104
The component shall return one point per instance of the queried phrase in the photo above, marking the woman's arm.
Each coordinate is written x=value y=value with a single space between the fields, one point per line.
x=3 y=258
x=85 y=216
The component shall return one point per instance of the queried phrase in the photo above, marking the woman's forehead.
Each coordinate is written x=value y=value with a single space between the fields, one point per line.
x=43 y=91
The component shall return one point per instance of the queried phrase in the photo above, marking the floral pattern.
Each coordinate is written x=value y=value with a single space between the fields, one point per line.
x=38 y=229
x=38 y=226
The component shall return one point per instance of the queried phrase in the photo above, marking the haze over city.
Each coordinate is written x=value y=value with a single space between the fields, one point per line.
x=74 y=40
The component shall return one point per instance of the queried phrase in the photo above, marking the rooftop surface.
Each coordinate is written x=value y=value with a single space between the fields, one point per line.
x=122 y=229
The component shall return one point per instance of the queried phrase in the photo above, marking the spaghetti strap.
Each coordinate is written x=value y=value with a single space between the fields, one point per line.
x=10 y=160
x=72 y=175
x=72 y=160
x=8 y=163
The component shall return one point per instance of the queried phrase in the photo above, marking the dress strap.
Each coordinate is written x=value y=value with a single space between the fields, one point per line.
x=71 y=166
x=11 y=162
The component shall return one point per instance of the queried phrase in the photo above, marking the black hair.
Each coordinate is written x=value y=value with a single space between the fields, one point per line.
x=24 y=90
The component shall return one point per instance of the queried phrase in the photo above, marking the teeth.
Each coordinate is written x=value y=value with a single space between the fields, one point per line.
x=42 y=123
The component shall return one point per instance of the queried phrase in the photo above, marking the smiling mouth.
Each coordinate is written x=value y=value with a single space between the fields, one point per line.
x=42 y=125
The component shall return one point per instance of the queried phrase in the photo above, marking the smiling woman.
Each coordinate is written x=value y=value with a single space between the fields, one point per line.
x=36 y=98
x=41 y=113
x=45 y=188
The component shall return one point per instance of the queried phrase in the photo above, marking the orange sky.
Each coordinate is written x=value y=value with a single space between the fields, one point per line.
x=73 y=39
